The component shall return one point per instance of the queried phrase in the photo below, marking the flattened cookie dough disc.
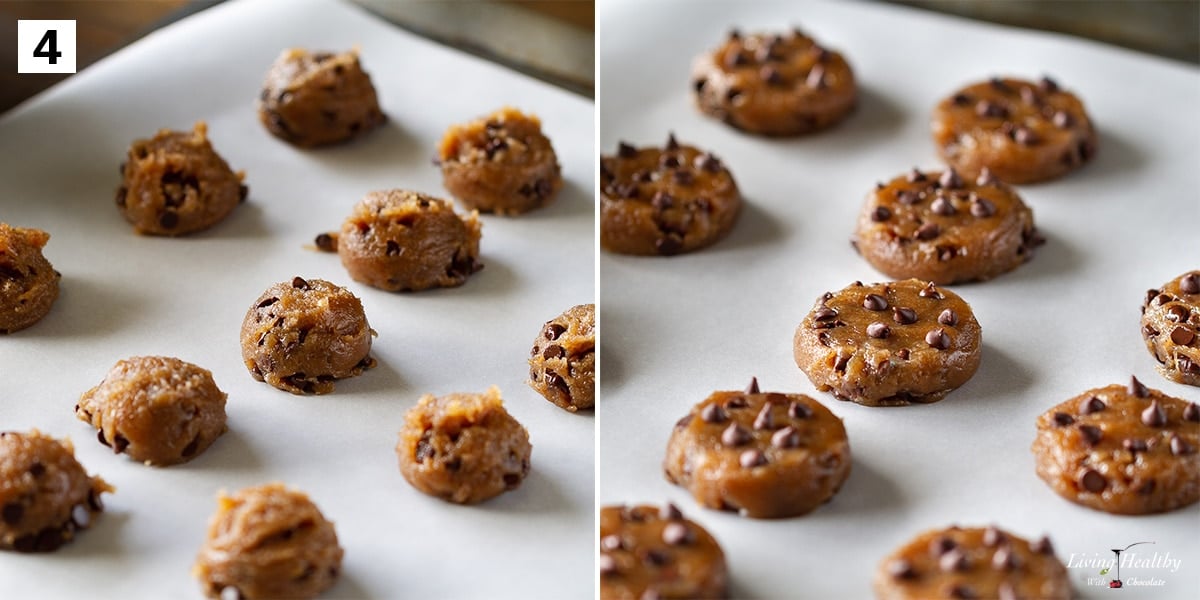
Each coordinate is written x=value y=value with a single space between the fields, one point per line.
x=562 y=363
x=463 y=448
x=889 y=344
x=501 y=163
x=266 y=542
x=28 y=283
x=1171 y=327
x=652 y=552
x=315 y=99
x=665 y=201
x=940 y=227
x=1022 y=131
x=764 y=455
x=1125 y=450
x=972 y=562
x=45 y=495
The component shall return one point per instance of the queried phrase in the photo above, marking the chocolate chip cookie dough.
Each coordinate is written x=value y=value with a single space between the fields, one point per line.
x=940 y=227
x=972 y=562
x=562 y=362
x=889 y=344
x=665 y=201
x=1022 y=131
x=318 y=98
x=265 y=542
x=175 y=183
x=772 y=84
x=28 y=283
x=155 y=409
x=1126 y=450
x=1171 y=327
x=463 y=448
x=301 y=335
x=764 y=455
x=652 y=552
x=501 y=163
x=45 y=495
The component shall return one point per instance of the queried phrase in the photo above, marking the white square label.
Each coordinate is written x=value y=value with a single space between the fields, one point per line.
x=45 y=46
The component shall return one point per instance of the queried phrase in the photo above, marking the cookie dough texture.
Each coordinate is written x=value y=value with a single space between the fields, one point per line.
x=397 y=240
x=1125 y=450
x=463 y=448
x=28 y=283
x=889 y=344
x=772 y=84
x=318 y=98
x=175 y=184
x=562 y=362
x=1171 y=327
x=301 y=335
x=265 y=542
x=155 y=409
x=665 y=201
x=45 y=495
x=1022 y=131
x=501 y=163
x=972 y=562
x=654 y=552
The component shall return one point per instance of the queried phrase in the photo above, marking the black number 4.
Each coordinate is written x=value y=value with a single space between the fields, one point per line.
x=48 y=47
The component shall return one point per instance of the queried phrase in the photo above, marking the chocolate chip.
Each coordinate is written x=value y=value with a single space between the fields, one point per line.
x=901 y=569
x=902 y=353
x=736 y=59
x=941 y=545
x=625 y=150
x=1062 y=419
x=930 y=291
x=607 y=564
x=953 y=560
x=103 y=440
x=839 y=364
x=948 y=318
x=1025 y=136
x=676 y=534
x=1182 y=335
x=1091 y=405
x=764 y=420
x=906 y=197
x=325 y=243
x=553 y=351
x=1004 y=560
x=37 y=469
x=192 y=446
x=392 y=248
x=875 y=302
x=1190 y=284
x=904 y=315
x=669 y=244
x=771 y=75
x=707 y=162
x=553 y=331
x=999 y=85
x=299 y=283
x=950 y=179
x=915 y=175
x=1134 y=445
x=1177 y=314
x=1062 y=119
x=668 y=161
x=987 y=108
x=12 y=513
x=942 y=207
x=81 y=516
x=960 y=99
x=752 y=458
x=1192 y=413
x=986 y=178
x=94 y=501
x=655 y=558
x=1180 y=447
x=493 y=146
x=735 y=435
x=982 y=207
x=928 y=231
x=1136 y=388
x=824 y=314
x=1028 y=96
x=993 y=537
x=937 y=338
x=1093 y=481
x=788 y=437
x=880 y=214
x=699 y=83
x=119 y=443
x=662 y=201
x=799 y=410
x=670 y=512
x=816 y=77
x=1091 y=434
x=1154 y=415
x=684 y=177
x=878 y=330
x=168 y=219
x=713 y=413
x=1048 y=85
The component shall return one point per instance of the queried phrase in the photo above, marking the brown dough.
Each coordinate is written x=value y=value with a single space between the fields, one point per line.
x=562 y=363
x=650 y=552
x=1171 y=327
x=28 y=283
x=315 y=99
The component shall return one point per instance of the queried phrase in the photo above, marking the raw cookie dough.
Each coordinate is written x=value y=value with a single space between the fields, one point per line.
x=647 y=552
x=1126 y=450
x=463 y=448
x=268 y=541
x=1023 y=132
x=28 y=284
x=664 y=201
x=774 y=84
x=45 y=495
x=765 y=455
x=155 y=409
x=175 y=183
x=301 y=335
x=889 y=344
x=562 y=363
x=939 y=227
x=1171 y=327
x=973 y=562
x=314 y=99
x=501 y=163
x=403 y=241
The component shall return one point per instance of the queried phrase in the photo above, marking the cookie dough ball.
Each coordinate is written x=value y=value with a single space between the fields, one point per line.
x=942 y=228
x=764 y=455
x=500 y=164
x=265 y=542
x=665 y=201
x=403 y=241
x=974 y=562
x=773 y=84
x=155 y=409
x=28 y=284
x=651 y=552
x=562 y=363
x=463 y=448
x=889 y=344
x=315 y=99
x=1023 y=132
x=301 y=335
x=1171 y=327
x=175 y=183
x=1127 y=450
x=45 y=495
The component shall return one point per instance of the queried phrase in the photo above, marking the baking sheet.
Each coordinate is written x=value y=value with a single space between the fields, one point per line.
x=675 y=329
x=125 y=295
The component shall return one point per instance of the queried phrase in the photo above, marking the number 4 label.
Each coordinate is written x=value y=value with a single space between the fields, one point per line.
x=45 y=46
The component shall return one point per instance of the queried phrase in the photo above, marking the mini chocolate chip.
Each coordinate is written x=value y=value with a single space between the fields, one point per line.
x=1048 y=85
x=993 y=537
x=1062 y=419
x=1154 y=415
x=668 y=161
x=736 y=59
x=937 y=338
x=735 y=435
x=662 y=200
x=906 y=197
x=950 y=179
x=676 y=534
x=982 y=208
x=1091 y=405
x=713 y=413
x=1134 y=445
x=875 y=302
x=670 y=512
x=880 y=214
x=953 y=560
x=1190 y=284
x=707 y=162
x=763 y=420
x=607 y=564
x=752 y=458
x=942 y=207
x=553 y=331
x=625 y=150
x=928 y=231
x=987 y=108
x=12 y=513
x=799 y=410
x=1192 y=413
x=1062 y=119
x=904 y=315
x=816 y=77
x=824 y=314
x=1182 y=335
x=1093 y=481
x=1180 y=447
x=1091 y=434
x=1025 y=136
x=1136 y=388
x=930 y=291
x=299 y=283
x=986 y=178
x=915 y=175
x=941 y=545
x=948 y=318
x=878 y=330
x=1004 y=560
x=788 y=437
